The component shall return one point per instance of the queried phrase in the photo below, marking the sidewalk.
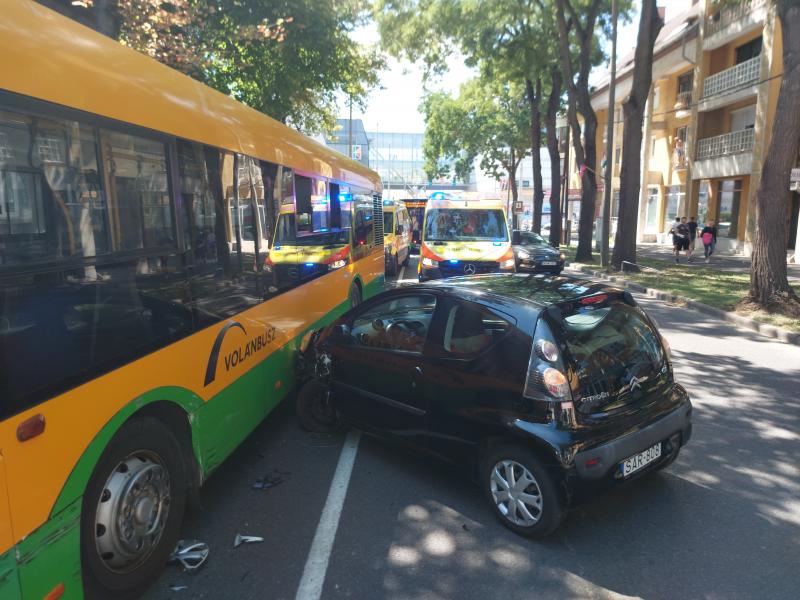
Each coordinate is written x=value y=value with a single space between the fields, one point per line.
x=722 y=262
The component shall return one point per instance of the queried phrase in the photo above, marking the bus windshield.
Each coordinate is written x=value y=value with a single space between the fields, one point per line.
x=461 y=224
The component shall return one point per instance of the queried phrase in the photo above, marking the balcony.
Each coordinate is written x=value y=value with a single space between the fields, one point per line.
x=683 y=100
x=726 y=144
x=740 y=76
x=733 y=21
x=726 y=155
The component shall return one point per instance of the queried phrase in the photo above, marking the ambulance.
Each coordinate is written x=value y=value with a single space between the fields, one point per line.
x=464 y=237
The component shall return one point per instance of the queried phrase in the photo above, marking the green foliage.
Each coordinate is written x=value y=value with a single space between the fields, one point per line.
x=487 y=120
x=287 y=58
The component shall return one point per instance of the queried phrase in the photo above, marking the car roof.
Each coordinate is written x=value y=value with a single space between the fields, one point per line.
x=532 y=290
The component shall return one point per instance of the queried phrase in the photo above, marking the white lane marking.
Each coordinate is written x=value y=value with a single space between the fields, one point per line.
x=313 y=578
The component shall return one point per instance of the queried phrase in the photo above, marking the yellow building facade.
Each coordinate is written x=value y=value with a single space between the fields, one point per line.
x=716 y=79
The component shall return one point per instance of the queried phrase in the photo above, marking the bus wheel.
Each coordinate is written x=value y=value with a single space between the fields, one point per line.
x=132 y=510
x=355 y=295
x=391 y=269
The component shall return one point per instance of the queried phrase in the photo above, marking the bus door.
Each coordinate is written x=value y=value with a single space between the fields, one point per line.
x=9 y=582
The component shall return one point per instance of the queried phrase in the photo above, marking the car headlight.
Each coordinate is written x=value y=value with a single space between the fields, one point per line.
x=337 y=264
x=562 y=256
x=428 y=262
x=523 y=254
x=507 y=264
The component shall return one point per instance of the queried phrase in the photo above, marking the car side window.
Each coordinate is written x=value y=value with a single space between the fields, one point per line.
x=400 y=323
x=470 y=329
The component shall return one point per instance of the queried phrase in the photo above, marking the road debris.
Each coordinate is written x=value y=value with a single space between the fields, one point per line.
x=192 y=554
x=246 y=539
x=270 y=480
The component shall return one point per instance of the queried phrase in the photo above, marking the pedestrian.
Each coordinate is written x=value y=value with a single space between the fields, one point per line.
x=692 y=225
x=709 y=237
x=680 y=238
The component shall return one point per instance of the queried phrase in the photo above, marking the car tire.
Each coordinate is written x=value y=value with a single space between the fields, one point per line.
x=391 y=268
x=314 y=411
x=540 y=488
x=355 y=295
x=142 y=463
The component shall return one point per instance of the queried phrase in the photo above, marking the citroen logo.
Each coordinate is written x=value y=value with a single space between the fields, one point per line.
x=469 y=269
x=636 y=383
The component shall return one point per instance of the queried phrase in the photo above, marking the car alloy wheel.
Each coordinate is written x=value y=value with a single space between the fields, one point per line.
x=516 y=493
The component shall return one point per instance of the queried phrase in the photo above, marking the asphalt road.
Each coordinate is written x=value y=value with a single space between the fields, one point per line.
x=722 y=522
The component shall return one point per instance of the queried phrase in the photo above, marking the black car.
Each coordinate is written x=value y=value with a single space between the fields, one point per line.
x=533 y=253
x=542 y=387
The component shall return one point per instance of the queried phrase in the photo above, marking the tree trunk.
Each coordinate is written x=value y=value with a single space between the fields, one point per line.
x=579 y=98
x=769 y=285
x=534 y=100
x=650 y=24
x=512 y=182
x=553 y=104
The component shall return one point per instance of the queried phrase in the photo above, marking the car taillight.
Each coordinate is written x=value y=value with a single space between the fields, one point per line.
x=546 y=379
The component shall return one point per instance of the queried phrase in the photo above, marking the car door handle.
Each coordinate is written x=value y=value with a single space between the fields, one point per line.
x=418 y=370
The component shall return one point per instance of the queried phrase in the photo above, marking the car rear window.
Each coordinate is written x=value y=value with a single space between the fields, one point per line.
x=615 y=354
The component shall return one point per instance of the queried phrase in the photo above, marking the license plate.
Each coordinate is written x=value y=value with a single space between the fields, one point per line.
x=641 y=460
x=549 y=263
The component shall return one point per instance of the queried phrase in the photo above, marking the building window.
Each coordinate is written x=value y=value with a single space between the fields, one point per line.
x=651 y=223
x=730 y=197
x=685 y=83
x=652 y=146
x=749 y=50
x=656 y=97
x=702 y=204
x=675 y=197
x=526 y=183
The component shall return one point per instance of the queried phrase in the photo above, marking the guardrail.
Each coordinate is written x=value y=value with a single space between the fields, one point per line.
x=744 y=74
x=724 y=145
x=722 y=19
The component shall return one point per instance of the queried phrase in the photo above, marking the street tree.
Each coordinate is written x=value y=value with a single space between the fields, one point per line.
x=506 y=40
x=291 y=59
x=487 y=121
x=650 y=23
x=578 y=23
x=769 y=284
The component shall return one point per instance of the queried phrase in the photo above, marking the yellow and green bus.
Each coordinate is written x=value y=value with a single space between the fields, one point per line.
x=144 y=332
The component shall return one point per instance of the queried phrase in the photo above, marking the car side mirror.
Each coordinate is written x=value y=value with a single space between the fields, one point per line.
x=399 y=230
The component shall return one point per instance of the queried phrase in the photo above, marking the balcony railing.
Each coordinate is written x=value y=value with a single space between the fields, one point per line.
x=722 y=19
x=683 y=100
x=742 y=75
x=725 y=145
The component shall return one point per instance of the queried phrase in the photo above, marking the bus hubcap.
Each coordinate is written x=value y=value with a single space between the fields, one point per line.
x=132 y=511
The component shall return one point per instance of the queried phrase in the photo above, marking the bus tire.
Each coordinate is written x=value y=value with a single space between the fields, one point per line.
x=392 y=269
x=314 y=411
x=132 y=510
x=355 y=295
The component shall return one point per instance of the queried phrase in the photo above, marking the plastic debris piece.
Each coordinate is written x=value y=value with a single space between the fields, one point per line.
x=178 y=588
x=276 y=477
x=192 y=554
x=246 y=539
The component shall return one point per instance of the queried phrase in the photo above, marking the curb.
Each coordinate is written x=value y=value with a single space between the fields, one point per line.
x=765 y=329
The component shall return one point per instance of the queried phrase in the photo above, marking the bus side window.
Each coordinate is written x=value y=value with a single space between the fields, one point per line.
x=216 y=283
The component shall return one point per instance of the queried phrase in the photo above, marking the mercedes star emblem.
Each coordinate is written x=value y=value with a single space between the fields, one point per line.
x=469 y=269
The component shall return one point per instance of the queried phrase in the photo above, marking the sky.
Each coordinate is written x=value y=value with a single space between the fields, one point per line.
x=395 y=106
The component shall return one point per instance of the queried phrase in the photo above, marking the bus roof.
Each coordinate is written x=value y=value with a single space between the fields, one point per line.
x=53 y=58
x=468 y=204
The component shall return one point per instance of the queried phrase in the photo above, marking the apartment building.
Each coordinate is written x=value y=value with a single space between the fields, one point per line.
x=716 y=79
